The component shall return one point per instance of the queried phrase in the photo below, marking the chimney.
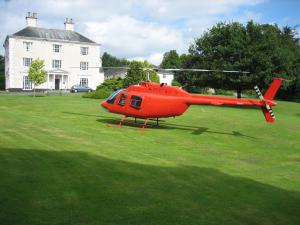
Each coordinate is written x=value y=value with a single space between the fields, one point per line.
x=31 y=19
x=69 y=25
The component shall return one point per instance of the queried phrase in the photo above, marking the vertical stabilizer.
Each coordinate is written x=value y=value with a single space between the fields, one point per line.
x=272 y=90
x=269 y=95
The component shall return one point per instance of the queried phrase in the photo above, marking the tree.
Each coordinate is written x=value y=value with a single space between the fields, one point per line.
x=136 y=74
x=224 y=47
x=112 y=84
x=109 y=60
x=171 y=60
x=37 y=74
x=262 y=49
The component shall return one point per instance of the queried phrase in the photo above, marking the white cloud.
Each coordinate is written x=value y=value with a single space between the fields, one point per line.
x=124 y=35
x=172 y=9
x=156 y=58
x=132 y=28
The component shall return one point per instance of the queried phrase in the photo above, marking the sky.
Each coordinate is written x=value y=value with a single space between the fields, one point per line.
x=144 y=29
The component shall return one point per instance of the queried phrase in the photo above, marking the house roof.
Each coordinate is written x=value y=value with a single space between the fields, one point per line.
x=115 y=72
x=52 y=34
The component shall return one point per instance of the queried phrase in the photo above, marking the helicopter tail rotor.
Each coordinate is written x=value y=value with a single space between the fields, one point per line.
x=267 y=98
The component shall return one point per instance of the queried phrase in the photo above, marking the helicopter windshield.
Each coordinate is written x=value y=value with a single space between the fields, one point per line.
x=111 y=99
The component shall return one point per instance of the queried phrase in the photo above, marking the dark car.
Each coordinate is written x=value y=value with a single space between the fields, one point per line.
x=78 y=88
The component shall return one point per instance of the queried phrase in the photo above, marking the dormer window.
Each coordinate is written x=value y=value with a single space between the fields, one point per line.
x=56 y=48
x=27 y=46
x=84 y=50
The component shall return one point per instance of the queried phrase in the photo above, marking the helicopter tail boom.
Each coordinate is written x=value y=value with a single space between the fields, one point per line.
x=265 y=103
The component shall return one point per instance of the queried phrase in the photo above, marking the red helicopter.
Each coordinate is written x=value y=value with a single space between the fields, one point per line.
x=152 y=101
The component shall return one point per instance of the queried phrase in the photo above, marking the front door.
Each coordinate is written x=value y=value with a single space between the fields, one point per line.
x=57 y=84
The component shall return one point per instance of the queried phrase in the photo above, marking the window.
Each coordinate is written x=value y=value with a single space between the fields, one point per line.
x=122 y=100
x=84 y=65
x=27 y=61
x=136 y=101
x=84 y=82
x=27 y=45
x=56 y=48
x=27 y=85
x=111 y=99
x=84 y=50
x=56 y=64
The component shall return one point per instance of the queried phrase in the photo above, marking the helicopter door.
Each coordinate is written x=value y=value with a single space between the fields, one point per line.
x=122 y=100
x=136 y=101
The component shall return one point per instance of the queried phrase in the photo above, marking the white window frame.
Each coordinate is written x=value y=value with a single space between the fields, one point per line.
x=56 y=64
x=84 y=82
x=27 y=62
x=84 y=65
x=56 y=48
x=84 y=50
x=27 y=45
x=27 y=84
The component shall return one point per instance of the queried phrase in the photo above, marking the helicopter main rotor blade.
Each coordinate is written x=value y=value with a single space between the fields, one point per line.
x=204 y=70
x=170 y=70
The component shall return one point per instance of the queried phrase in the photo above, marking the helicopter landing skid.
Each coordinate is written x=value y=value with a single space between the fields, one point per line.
x=123 y=120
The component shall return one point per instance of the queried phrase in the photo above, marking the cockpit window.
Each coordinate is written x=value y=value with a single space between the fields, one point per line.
x=136 y=101
x=111 y=99
x=122 y=99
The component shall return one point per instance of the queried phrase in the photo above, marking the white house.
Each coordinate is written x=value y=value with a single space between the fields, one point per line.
x=70 y=58
x=165 y=77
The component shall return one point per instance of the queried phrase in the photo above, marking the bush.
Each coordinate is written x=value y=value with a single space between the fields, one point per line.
x=176 y=83
x=249 y=93
x=89 y=95
x=111 y=84
x=224 y=92
x=98 y=94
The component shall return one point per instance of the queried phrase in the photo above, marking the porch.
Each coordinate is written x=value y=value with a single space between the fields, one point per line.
x=58 y=80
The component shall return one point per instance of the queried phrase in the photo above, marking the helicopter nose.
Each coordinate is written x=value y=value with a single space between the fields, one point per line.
x=104 y=104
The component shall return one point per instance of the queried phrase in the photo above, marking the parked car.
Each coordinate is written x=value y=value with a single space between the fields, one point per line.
x=78 y=88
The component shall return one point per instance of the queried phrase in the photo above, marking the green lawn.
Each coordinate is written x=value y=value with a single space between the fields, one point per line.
x=61 y=164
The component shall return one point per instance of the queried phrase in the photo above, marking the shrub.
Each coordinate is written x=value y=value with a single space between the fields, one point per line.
x=249 y=93
x=224 y=92
x=88 y=95
x=111 y=84
x=105 y=89
x=176 y=83
x=98 y=94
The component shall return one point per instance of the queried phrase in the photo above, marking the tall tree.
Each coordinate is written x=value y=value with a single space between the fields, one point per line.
x=136 y=74
x=109 y=60
x=37 y=74
x=171 y=60
x=262 y=49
